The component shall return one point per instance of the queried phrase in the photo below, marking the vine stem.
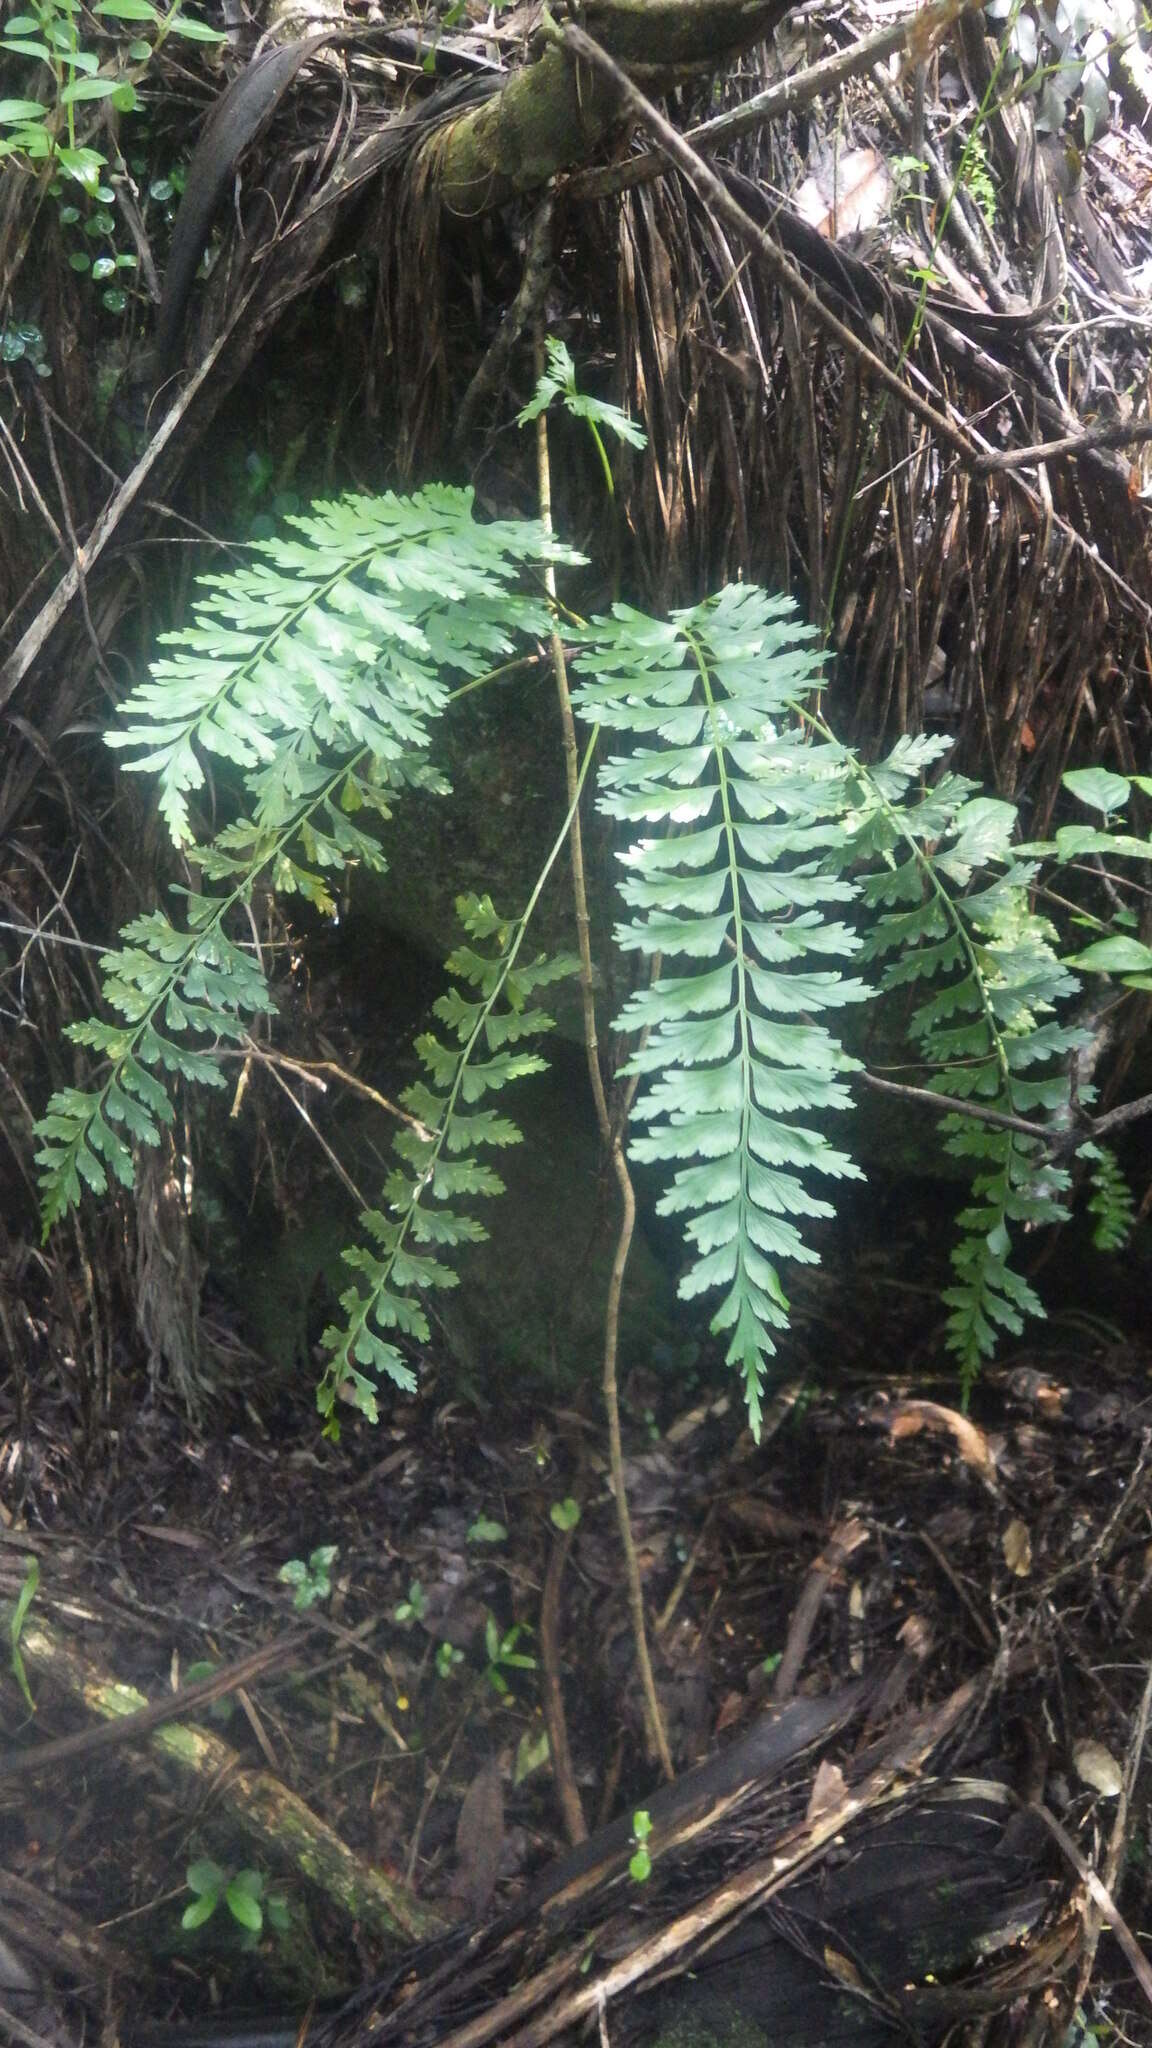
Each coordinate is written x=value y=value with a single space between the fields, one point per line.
x=610 y=1137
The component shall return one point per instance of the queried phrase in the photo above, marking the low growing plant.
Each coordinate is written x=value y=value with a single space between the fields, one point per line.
x=311 y=1580
x=771 y=880
x=245 y=1895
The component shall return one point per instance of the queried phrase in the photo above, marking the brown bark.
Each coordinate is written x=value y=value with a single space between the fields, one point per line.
x=552 y=114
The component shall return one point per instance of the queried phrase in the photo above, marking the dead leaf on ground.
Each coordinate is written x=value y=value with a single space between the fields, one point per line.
x=908 y=1418
x=850 y=196
x=1016 y=1543
x=480 y=1840
x=828 y=1791
x=1097 y=1766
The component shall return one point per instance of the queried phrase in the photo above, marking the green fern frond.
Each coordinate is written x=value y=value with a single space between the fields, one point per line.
x=316 y=669
x=438 y=1163
x=339 y=643
x=984 y=1029
x=729 y=880
x=1111 y=1200
x=169 y=986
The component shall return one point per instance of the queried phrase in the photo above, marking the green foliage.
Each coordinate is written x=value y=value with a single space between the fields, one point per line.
x=244 y=1893
x=486 y=1015
x=334 y=646
x=312 y=1580
x=640 y=1863
x=1110 y=1202
x=415 y=1607
x=502 y=1654
x=763 y=858
x=48 y=32
x=316 y=674
x=736 y=887
x=980 y=966
x=22 y=341
x=558 y=381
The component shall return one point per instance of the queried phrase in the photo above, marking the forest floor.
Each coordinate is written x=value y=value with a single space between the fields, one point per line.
x=423 y=1595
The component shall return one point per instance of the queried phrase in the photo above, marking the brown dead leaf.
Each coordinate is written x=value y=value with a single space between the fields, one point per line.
x=916 y=1637
x=828 y=1790
x=480 y=1840
x=1096 y=1766
x=908 y=1418
x=852 y=195
x=838 y=1966
x=731 y=1707
x=1016 y=1543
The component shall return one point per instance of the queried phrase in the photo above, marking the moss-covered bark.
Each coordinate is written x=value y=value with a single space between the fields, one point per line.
x=553 y=114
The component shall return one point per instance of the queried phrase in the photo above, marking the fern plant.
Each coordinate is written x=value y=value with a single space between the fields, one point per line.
x=763 y=860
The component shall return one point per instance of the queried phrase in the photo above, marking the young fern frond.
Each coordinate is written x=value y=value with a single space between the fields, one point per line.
x=485 y=1017
x=737 y=811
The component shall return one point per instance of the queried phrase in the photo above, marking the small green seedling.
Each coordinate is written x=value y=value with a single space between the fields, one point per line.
x=564 y=1514
x=24 y=1600
x=312 y=1580
x=245 y=1895
x=218 y=1710
x=503 y=1655
x=415 y=1607
x=559 y=381
x=447 y=1658
x=640 y=1864
x=485 y=1531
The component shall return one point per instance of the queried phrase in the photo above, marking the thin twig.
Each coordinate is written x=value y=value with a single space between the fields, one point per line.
x=1101 y=1898
x=610 y=1138
x=921 y=28
x=846 y=1538
x=173 y=1706
x=555 y=1718
x=1117 y=434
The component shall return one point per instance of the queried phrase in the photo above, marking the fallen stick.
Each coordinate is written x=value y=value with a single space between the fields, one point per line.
x=277 y=1820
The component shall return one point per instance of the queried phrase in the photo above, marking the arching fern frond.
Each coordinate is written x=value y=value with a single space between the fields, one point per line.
x=316 y=670
x=341 y=641
x=736 y=810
